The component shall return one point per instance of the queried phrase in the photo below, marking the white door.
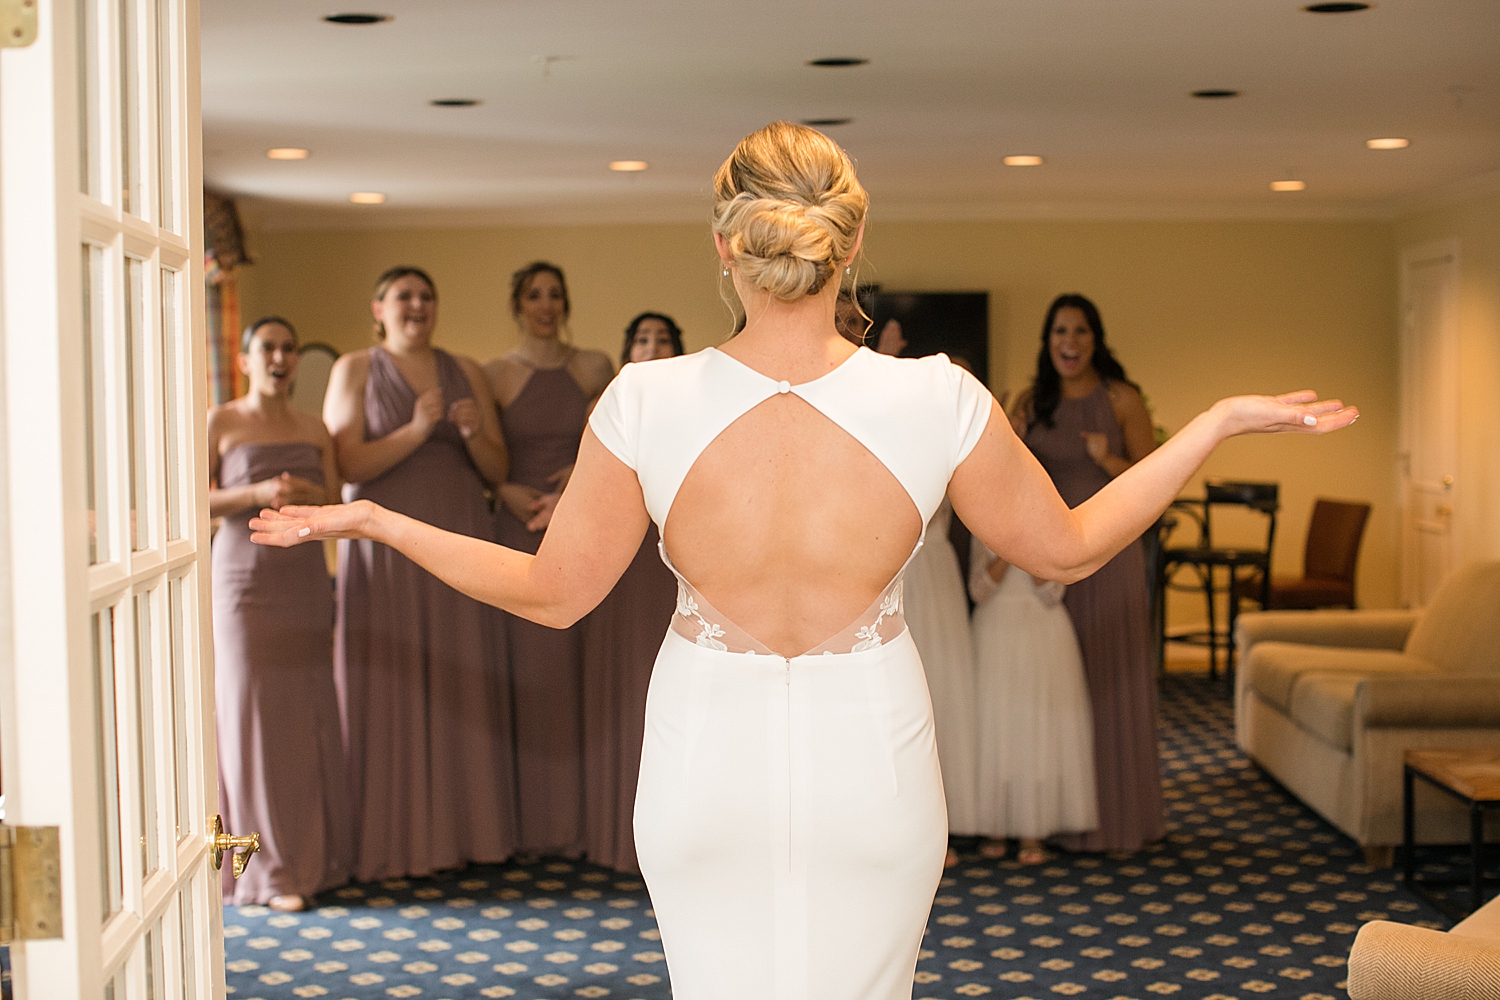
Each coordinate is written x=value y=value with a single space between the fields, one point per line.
x=106 y=705
x=1429 y=417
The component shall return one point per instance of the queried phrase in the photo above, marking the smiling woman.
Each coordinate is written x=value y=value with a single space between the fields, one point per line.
x=427 y=720
x=281 y=765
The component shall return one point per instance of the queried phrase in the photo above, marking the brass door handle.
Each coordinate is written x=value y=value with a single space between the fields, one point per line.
x=239 y=848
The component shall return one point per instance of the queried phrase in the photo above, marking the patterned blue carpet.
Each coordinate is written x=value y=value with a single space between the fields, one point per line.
x=1251 y=894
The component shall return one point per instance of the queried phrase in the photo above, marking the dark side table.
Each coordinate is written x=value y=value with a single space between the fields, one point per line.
x=1472 y=777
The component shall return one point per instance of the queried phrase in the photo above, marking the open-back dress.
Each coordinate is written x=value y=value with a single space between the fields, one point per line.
x=790 y=820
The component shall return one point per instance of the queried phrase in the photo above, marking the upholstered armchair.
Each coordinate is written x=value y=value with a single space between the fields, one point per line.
x=1391 y=961
x=1327 y=702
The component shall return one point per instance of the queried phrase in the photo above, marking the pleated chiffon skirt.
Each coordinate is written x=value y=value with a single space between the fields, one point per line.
x=790 y=821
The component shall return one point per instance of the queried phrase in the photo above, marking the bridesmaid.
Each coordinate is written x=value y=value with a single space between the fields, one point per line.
x=620 y=640
x=281 y=769
x=425 y=709
x=1087 y=423
x=545 y=389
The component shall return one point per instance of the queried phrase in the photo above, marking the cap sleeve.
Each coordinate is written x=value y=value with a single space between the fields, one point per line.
x=616 y=419
x=973 y=407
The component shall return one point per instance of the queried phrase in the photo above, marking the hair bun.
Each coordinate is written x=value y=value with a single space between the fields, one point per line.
x=789 y=209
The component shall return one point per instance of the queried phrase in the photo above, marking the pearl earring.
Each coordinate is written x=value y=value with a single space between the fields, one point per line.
x=726 y=272
x=849 y=269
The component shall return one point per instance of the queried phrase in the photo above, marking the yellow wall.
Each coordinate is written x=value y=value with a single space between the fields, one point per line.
x=1476 y=224
x=1195 y=311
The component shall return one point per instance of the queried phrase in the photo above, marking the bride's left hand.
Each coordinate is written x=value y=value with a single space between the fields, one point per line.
x=1295 y=412
x=294 y=525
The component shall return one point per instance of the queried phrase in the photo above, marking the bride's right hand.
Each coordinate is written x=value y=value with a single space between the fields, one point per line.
x=294 y=525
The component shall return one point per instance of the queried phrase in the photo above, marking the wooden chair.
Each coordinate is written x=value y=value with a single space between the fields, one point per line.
x=1329 y=560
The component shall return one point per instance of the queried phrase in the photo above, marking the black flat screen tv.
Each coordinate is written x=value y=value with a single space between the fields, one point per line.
x=954 y=323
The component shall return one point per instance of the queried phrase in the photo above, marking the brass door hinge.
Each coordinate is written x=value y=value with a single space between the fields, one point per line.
x=30 y=884
x=17 y=23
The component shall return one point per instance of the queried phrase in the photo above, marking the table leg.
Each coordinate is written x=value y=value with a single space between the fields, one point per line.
x=1213 y=632
x=1234 y=614
x=1408 y=824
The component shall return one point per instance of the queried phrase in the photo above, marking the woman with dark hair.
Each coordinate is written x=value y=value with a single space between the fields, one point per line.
x=1087 y=423
x=426 y=715
x=649 y=336
x=281 y=768
x=621 y=638
x=544 y=390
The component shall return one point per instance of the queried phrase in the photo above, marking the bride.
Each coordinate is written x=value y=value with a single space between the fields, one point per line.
x=790 y=820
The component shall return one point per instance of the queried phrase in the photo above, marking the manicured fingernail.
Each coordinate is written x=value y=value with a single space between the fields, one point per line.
x=304 y=532
x=1310 y=420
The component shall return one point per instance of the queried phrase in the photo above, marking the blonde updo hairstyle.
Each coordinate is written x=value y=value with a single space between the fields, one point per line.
x=789 y=208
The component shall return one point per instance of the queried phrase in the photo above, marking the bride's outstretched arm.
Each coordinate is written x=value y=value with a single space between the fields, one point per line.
x=595 y=532
x=1005 y=497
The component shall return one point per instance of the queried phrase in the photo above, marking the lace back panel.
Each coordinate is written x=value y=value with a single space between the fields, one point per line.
x=700 y=622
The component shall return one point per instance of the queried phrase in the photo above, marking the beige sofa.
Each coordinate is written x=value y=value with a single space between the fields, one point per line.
x=1328 y=702
x=1397 y=962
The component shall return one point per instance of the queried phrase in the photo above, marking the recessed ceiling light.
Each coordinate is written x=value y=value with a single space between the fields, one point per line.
x=1023 y=161
x=367 y=198
x=628 y=166
x=1289 y=185
x=358 y=18
x=836 y=62
x=290 y=153
x=1335 y=8
x=825 y=122
x=1214 y=93
x=454 y=102
x=1391 y=143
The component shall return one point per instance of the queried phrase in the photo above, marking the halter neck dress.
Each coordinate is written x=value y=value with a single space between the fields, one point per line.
x=543 y=426
x=421 y=683
x=281 y=765
x=1111 y=614
x=790 y=820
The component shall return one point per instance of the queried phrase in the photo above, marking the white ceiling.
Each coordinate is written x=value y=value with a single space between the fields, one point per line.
x=1098 y=87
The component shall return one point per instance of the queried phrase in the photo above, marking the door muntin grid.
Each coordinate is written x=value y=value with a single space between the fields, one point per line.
x=146 y=538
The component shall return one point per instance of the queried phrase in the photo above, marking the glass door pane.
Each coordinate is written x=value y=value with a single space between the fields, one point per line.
x=137 y=404
x=171 y=344
x=102 y=626
x=95 y=405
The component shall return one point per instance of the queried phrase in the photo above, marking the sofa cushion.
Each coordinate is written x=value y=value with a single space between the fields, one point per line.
x=1456 y=631
x=1274 y=668
x=1482 y=923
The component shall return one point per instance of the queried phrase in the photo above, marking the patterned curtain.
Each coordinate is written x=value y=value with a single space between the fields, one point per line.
x=224 y=252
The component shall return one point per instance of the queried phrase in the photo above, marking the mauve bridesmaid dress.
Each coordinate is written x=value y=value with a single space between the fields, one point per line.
x=281 y=766
x=419 y=666
x=543 y=426
x=1111 y=614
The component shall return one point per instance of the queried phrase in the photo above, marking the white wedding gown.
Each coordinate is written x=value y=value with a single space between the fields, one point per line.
x=937 y=613
x=1036 y=730
x=790 y=821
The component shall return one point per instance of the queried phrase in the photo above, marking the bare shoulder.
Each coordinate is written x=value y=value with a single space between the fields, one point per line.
x=593 y=370
x=505 y=376
x=312 y=428
x=353 y=366
x=1126 y=399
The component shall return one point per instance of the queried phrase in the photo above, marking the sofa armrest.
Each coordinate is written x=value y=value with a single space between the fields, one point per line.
x=1398 y=962
x=1350 y=629
x=1429 y=700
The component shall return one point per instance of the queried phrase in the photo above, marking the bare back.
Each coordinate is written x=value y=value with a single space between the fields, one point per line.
x=789 y=511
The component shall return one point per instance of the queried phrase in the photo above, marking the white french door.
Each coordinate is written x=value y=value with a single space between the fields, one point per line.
x=106 y=705
x=1430 y=489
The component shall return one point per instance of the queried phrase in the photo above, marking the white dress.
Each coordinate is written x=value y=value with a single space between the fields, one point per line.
x=789 y=819
x=1036 y=732
x=937 y=613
